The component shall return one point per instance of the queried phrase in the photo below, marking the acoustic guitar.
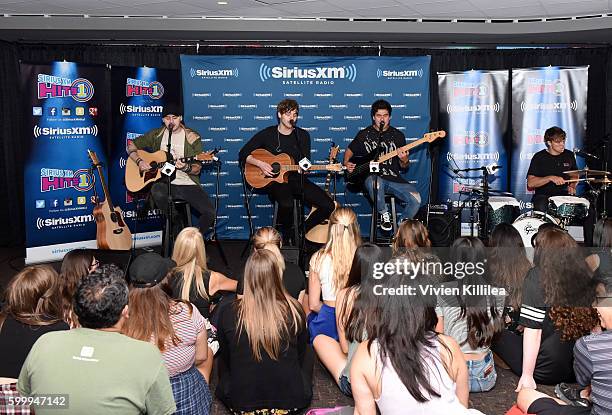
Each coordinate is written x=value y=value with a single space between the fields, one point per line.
x=362 y=168
x=136 y=180
x=112 y=231
x=318 y=234
x=281 y=165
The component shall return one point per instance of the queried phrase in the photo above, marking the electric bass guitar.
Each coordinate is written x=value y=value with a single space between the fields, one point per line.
x=318 y=234
x=281 y=165
x=112 y=231
x=136 y=180
x=362 y=168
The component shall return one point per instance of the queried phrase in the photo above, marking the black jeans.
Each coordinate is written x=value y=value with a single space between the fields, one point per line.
x=194 y=195
x=284 y=193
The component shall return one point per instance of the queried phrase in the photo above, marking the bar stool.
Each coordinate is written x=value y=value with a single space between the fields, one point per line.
x=296 y=221
x=390 y=199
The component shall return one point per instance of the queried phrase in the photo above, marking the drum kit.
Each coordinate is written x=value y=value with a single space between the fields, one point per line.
x=563 y=211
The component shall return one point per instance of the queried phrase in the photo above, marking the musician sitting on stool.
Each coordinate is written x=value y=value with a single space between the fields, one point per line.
x=545 y=173
x=185 y=142
x=294 y=141
x=390 y=180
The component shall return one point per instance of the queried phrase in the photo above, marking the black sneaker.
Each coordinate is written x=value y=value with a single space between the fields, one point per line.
x=571 y=395
x=385 y=222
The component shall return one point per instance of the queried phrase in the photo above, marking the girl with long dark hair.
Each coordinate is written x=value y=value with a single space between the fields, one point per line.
x=75 y=265
x=472 y=319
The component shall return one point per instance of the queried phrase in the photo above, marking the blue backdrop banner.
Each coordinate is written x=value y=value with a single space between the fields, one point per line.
x=229 y=98
x=138 y=99
x=542 y=98
x=474 y=111
x=66 y=116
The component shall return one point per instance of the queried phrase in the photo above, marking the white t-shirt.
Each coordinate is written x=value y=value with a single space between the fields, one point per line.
x=178 y=151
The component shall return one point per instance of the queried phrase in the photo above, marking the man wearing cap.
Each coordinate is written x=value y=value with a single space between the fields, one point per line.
x=185 y=142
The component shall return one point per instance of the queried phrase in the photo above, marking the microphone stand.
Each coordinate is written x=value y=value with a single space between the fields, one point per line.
x=374 y=221
x=301 y=243
x=168 y=237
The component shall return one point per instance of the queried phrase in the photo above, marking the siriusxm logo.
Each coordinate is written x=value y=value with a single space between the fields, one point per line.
x=322 y=72
x=247 y=106
x=140 y=108
x=412 y=94
x=201 y=94
x=202 y=117
x=338 y=106
x=392 y=74
x=350 y=95
x=324 y=117
x=309 y=106
x=411 y=117
x=353 y=117
x=233 y=140
x=232 y=117
x=217 y=106
x=323 y=140
x=293 y=95
x=232 y=94
x=325 y=95
x=247 y=129
x=338 y=128
x=386 y=94
x=262 y=94
x=214 y=73
x=262 y=117
x=49 y=222
x=74 y=131
x=217 y=128
x=310 y=128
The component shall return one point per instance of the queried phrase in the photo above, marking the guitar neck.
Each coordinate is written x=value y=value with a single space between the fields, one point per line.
x=314 y=167
x=407 y=147
x=105 y=188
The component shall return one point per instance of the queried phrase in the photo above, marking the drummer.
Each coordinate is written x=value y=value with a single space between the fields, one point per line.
x=545 y=173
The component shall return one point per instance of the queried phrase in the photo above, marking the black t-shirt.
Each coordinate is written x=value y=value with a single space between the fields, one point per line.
x=16 y=340
x=294 y=280
x=366 y=141
x=276 y=143
x=201 y=303
x=545 y=164
x=247 y=385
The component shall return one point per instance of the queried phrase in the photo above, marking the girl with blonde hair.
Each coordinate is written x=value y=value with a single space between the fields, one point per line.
x=263 y=345
x=329 y=270
x=191 y=280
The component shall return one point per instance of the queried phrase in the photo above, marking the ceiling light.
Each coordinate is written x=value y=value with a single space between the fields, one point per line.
x=222 y=3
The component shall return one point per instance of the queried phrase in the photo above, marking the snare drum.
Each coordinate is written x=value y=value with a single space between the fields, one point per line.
x=528 y=224
x=568 y=207
x=502 y=209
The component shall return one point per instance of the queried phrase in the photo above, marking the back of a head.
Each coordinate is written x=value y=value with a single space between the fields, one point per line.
x=342 y=240
x=602 y=233
x=411 y=234
x=266 y=235
x=188 y=247
x=32 y=296
x=505 y=235
x=101 y=297
x=364 y=260
x=75 y=265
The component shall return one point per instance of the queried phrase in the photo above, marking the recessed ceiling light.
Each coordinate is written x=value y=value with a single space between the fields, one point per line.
x=222 y=3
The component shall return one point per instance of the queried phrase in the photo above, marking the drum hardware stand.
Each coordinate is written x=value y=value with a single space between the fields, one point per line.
x=483 y=225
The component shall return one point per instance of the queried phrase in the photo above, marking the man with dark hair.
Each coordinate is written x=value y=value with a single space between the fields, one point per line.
x=545 y=173
x=185 y=185
x=390 y=179
x=294 y=141
x=95 y=368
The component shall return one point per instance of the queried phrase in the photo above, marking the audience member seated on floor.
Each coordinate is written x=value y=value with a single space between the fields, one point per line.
x=472 y=319
x=411 y=234
x=98 y=368
x=406 y=367
x=592 y=357
x=329 y=269
x=601 y=261
x=264 y=366
x=33 y=307
x=294 y=279
x=507 y=266
x=555 y=311
x=353 y=302
x=75 y=265
x=176 y=327
x=191 y=280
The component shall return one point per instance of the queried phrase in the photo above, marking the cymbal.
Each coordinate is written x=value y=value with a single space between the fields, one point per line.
x=588 y=171
x=605 y=180
x=479 y=189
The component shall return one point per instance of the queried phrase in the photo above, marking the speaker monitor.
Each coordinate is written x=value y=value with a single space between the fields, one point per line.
x=443 y=226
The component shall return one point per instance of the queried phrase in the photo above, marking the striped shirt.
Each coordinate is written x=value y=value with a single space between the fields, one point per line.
x=534 y=311
x=187 y=325
x=593 y=366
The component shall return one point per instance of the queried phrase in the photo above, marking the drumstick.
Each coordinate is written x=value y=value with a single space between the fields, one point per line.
x=578 y=180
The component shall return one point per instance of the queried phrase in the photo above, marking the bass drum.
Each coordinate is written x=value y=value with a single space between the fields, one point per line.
x=528 y=224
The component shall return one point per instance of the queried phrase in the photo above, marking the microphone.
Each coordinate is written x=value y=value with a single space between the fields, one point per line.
x=492 y=167
x=171 y=127
x=584 y=153
x=292 y=122
x=381 y=125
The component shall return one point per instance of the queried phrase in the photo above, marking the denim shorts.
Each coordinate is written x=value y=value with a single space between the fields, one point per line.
x=482 y=373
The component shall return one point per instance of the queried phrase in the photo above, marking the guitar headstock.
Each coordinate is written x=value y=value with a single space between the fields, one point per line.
x=93 y=157
x=433 y=136
x=333 y=152
x=208 y=156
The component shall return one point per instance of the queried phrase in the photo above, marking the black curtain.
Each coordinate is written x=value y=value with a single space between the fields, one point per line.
x=13 y=134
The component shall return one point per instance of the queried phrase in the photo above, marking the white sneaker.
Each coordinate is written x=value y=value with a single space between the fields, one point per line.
x=385 y=222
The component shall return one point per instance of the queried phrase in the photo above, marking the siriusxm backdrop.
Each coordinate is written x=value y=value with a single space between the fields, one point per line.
x=66 y=117
x=541 y=98
x=474 y=111
x=138 y=96
x=229 y=98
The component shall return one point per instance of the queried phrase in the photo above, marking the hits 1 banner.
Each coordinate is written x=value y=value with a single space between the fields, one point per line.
x=66 y=117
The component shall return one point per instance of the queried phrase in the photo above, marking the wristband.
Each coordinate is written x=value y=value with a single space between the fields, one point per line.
x=138 y=160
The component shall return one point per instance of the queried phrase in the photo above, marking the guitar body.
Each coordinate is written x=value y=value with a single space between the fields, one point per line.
x=318 y=234
x=135 y=180
x=112 y=232
x=255 y=177
x=356 y=176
